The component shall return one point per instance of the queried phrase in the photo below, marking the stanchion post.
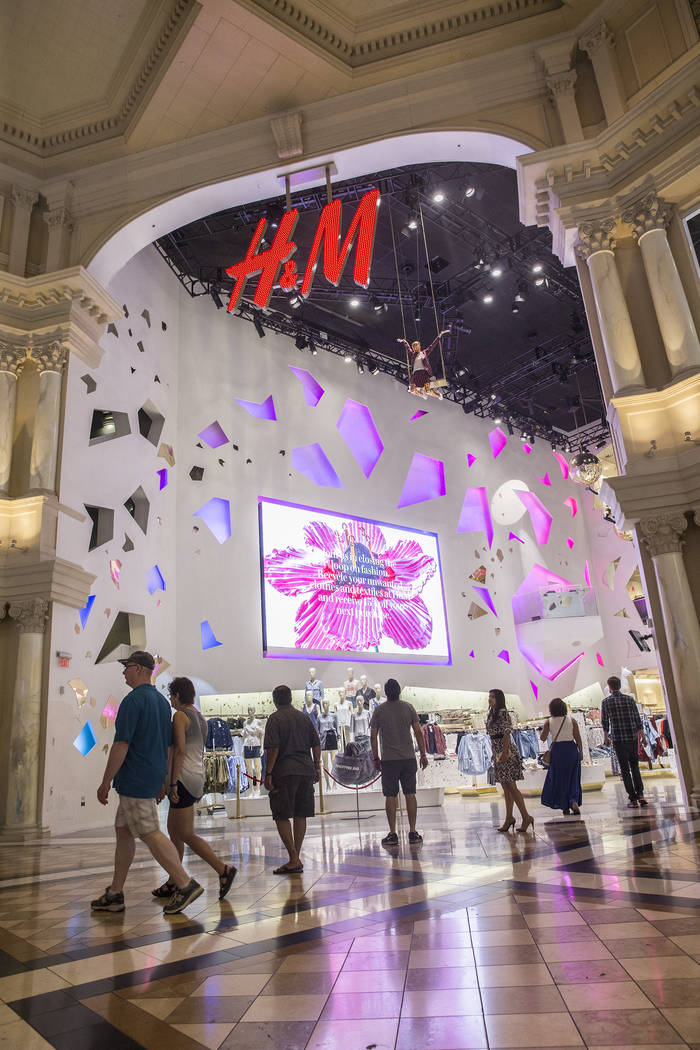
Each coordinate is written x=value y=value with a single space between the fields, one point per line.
x=322 y=809
x=238 y=792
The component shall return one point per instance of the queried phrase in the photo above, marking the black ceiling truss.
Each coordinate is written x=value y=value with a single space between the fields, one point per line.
x=518 y=396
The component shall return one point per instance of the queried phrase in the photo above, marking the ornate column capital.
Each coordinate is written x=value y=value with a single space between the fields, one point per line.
x=51 y=357
x=595 y=237
x=58 y=217
x=663 y=533
x=595 y=39
x=650 y=213
x=23 y=198
x=30 y=615
x=562 y=83
x=12 y=357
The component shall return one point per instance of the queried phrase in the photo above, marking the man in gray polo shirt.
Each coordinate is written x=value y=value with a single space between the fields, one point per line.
x=391 y=727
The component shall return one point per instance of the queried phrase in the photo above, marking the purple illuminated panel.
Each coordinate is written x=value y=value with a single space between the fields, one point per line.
x=85 y=611
x=539 y=515
x=527 y=448
x=425 y=480
x=486 y=598
x=213 y=435
x=85 y=740
x=497 y=441
x=155 y=580
x=534 y=688
x=313 y=391
x=569 y=543
x=209 y=640
x=418 y=415
x=540 y=579
x=550 y=673
x=259 y=409
x=572 y=505
x=545 y=480
x=512 y=536
x=216 y=514
x=599 y=658
x=587 y=574
x=358 y=431
x=162 y=478
x=640 y=605
x=471 y=655
x=470 y=459
x=476 y=515
x=563 y=464
x=504 y=655
x=314 y=464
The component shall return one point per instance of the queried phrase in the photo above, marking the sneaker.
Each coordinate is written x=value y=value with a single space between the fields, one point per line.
x=392 y=839
x=642 y=802
x=632 y=805
x=413 y=836
x=108 y=902
x=181 y=898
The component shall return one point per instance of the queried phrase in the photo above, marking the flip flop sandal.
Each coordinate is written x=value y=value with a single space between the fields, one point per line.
x=166 y=890
x=289 y=871
x=226 y=880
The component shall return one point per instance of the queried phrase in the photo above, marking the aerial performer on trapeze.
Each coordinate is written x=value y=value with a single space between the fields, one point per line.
x=420 y=373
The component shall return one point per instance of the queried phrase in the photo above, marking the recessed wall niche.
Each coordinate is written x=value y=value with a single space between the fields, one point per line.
x=151 y=422
x=102 y=525
x=107 y=425
x=128 y=632
x=138 y=506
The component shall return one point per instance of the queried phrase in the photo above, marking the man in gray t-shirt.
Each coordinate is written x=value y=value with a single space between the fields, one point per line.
x=391 y=727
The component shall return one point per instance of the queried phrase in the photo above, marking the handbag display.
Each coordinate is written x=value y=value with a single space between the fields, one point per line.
x=546 y=758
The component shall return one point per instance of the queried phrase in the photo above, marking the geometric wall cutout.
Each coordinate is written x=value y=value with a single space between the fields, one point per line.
x=314 y=464
x=128 y=544
x=138 y=506
x=506 y=508
x=163 y=478
x=634 y=584
x=80 y=689
x=146 y=316
x=479 y=575
x=209 y=640
x=86 y=610
x=539 y=515
x=563 y=464
x=107 y=425
x=497 y=441
x=213 y=435
x=89 y=383
x=114 y=570
x=475 y=515
x=358 y=431
x=197 y=473
x=313 y=391
x=485 y=597
x=166 y=452
x=151 y=422
x=85 y=740
x=154 y=580
x=425 y=480
x=260 y=410
x=216 y=514
x=109 y=712
x=608 y=576
x=623 y=613
x=102 y=525
x=572 y=505
x=475 y=611
x=128 y=632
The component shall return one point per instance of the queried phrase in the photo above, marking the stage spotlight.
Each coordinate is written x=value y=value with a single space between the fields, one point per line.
x=470 y=191
x=374 y=369
x=360 y=365
x=539 y=281
x=258 y=326
x=312 y=346
x=295 y=302
x=274 y=215
x=497 y=420
x=300 y=342
x=497 y=270
x=537 y=267
x=413 y=223
x=521 y=293
x=354 y=303
x=438 y=197
x=376 y=305
x=348 y=359
x=488 y=298
x=515 y=308
x=218 y=301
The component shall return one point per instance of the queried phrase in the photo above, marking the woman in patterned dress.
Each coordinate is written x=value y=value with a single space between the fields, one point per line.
x=508 y=765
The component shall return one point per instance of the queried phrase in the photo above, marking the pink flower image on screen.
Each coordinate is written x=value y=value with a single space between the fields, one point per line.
x=357 y=590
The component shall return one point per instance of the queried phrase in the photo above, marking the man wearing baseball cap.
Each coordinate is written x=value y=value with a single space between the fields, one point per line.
x=137 y=766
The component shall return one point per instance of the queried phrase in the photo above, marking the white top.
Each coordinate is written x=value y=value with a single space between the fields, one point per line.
x=252 y=733
x=567 y=729
x=344 y=711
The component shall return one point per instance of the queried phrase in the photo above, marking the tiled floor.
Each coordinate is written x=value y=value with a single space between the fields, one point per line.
x=585 y=933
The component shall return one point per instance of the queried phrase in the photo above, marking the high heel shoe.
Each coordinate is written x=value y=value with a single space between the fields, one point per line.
x=529 y=823
x=507 y=826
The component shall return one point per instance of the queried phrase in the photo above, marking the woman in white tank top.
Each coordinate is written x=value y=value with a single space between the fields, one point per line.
x=185 y=785
x=562 y=786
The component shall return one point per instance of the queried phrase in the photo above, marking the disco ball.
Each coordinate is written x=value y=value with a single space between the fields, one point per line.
x=586 y=468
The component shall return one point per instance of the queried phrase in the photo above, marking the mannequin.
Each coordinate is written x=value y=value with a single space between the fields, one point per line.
x=310 y=708
x=328 y=731
x=360 y=724
x=252 y=742
x=366 y=692
x=378 y=697
x=315 y=686
x=343 y=714
x=352 y=685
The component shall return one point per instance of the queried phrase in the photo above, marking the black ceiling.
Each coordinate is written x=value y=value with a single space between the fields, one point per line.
x=529 y=346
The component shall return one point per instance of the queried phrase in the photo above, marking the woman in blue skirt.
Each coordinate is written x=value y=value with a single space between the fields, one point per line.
x=562 y=786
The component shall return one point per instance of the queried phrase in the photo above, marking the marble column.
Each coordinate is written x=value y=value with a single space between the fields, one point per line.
x=599 y=45
x=595 y=244
x=11 y=359
x=23 y=201
x=662 y=534
x=42 y=467
x=22 y=804
x=562 y=91
x=648 y=220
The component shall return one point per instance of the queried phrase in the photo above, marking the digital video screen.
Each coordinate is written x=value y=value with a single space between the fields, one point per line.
x=336 y=583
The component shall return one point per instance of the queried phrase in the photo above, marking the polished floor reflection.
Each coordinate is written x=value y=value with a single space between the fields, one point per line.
x=586 y=932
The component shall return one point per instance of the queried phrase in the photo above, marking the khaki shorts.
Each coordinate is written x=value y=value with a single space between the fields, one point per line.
x=139 y=815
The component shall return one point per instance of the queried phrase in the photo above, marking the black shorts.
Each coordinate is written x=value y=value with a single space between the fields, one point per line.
x=399 y=771
x=292 y=796
x=185 y=800
x=251 y=752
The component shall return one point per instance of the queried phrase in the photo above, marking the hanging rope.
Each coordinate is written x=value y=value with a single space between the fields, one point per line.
x=432 y=290
x=398 y=282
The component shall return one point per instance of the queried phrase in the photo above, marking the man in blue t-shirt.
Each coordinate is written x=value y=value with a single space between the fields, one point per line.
x=137 y=767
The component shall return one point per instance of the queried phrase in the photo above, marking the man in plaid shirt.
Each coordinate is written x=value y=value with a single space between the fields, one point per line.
x=621 y=721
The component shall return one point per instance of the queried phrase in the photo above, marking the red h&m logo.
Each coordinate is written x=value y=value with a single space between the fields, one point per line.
x=267 y=263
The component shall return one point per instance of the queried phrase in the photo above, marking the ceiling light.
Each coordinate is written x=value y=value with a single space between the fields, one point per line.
x=374 y=369
x=539 y=281
x=470 y=191
x=515 y=308
x=413 y=223
x=360 y=365
x=496 y=271
x=257 y=324
x=494 y=396
x=354 y=302
x=438 y=197
x=295 y=302
x=312 y=346
x=537 y=268
x=497 y=420
x=348 y=359
x=488 y=298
